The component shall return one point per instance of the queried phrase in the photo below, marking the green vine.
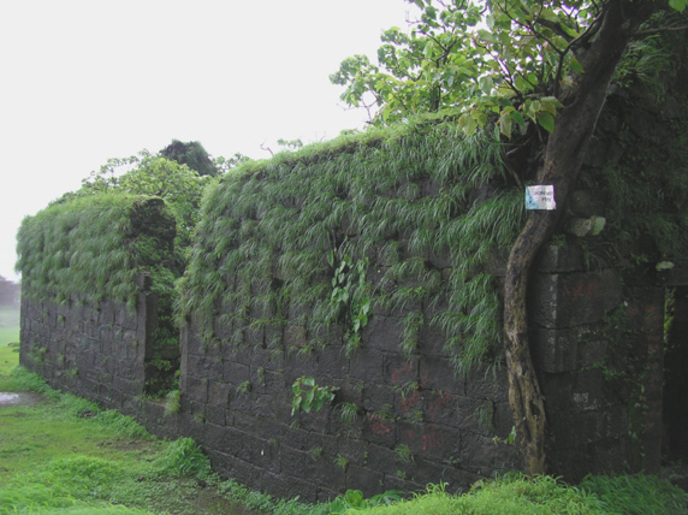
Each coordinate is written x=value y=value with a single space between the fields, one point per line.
x=309 y=396
x=349 y=297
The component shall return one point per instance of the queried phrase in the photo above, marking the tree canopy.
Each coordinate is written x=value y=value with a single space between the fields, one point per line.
x=509 y=61
x=153 y=175
x=191 y=154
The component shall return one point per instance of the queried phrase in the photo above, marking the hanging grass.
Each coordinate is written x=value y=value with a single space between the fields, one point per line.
x=421 y=203
x=91 y=249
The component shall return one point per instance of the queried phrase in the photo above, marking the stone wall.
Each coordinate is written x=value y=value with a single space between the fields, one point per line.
x=598 y=349
x=98 y=352
x=400 y=417
x=416 y=421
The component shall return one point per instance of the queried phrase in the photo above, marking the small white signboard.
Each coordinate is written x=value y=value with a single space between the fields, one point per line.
x=540 y=197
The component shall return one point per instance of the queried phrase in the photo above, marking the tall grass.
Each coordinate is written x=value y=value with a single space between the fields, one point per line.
x=636 y=494
x=406 y=201
x=516 y=494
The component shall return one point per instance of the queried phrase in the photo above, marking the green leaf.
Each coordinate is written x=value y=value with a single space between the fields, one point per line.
x=295 y=405
x=518 y=118
x=521 y=83
x=575 y=66
x=354 y=498
x=318 y=403
x=550 y=105
x=569 y=30
x=486 y=84
x=505 y=124
x=487 y=36
x=467 y=124
x=546 y=121
x=678 y=5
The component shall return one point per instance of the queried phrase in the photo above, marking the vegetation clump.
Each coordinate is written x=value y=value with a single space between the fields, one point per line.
x=91 y=249
x=421 y=207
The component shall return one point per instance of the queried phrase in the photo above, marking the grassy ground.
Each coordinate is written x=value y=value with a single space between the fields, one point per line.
x=9 y=341
x=64 y=455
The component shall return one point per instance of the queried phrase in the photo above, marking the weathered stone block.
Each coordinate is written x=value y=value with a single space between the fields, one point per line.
x=196 y=389
x=437 y=374
x=366 y=363
x=439 y=407
x=555 y=351
x=321 y=470
x=295 y=336
x=289 y=484
x=480 y=454
x=333 y=363
x=481 y=384
x=235 y=373
x=377 y=395
x=363 y=478
x=127 y=386
x=570 y=300
x=382 y=333
x=300 y=364
x=215 y=414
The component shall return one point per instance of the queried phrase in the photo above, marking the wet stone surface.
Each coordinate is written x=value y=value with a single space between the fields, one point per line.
x=18 y=398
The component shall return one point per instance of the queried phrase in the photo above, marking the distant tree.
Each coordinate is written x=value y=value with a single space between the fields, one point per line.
x=147 y=174
x=286 y=145
x=224 y=164
x=191 y=154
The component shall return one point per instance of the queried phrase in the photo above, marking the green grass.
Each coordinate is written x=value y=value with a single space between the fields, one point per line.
x=516 y=494
x=9 y=346
x=65 y=455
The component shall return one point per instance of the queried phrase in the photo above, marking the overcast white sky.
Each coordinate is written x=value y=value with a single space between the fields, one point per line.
x=85 y=80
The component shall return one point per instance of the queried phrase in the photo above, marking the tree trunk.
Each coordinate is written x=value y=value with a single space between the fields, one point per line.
x=562 y=163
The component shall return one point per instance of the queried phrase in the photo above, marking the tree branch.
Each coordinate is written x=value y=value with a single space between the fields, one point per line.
x=659 y=30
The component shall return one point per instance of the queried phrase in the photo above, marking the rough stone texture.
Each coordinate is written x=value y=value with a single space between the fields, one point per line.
x=602 y=383
x=415 y=421
x=97 y=352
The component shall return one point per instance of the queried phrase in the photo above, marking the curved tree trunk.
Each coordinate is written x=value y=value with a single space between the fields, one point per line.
x=563 y=158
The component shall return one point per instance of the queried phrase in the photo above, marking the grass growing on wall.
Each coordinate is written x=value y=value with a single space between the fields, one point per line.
x=423 y=205
x=91 y=249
